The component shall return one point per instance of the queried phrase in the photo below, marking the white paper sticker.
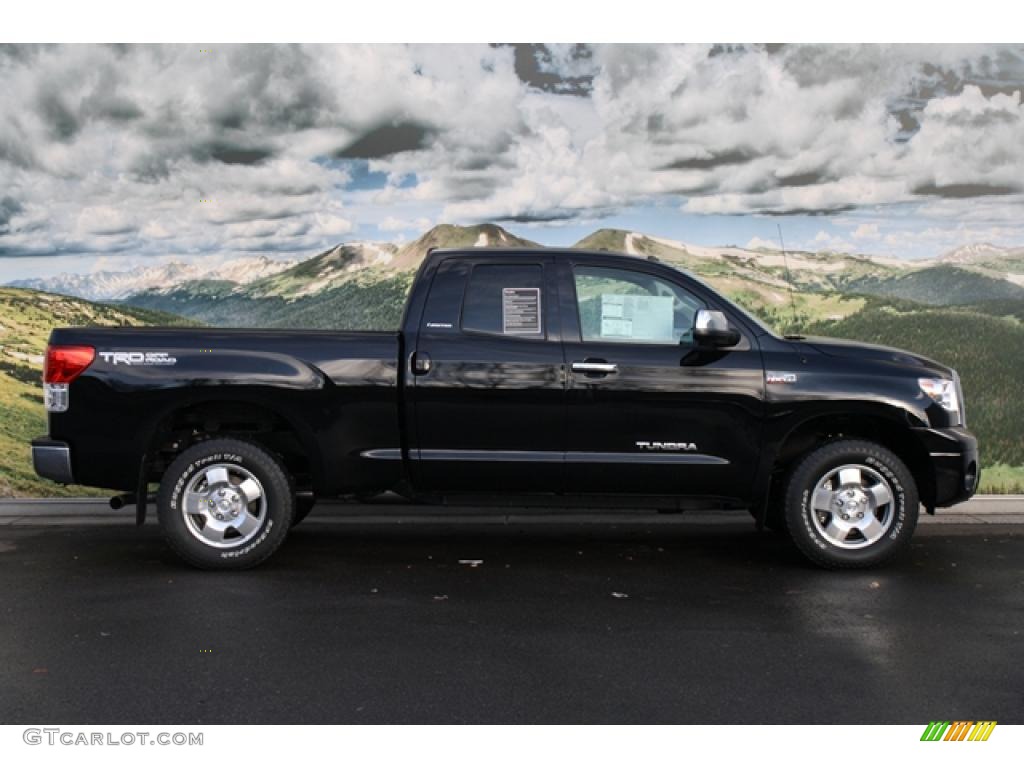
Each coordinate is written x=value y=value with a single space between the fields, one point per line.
x=520 y=311
x=616 y=327
x=637 y=318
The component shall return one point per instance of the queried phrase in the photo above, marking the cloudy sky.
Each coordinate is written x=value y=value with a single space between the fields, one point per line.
x=112 y=155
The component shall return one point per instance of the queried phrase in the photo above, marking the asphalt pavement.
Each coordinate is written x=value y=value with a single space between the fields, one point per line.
x=414 y=615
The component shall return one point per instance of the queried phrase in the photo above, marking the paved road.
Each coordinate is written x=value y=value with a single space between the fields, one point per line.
x=646 y=621
x=1005 y=510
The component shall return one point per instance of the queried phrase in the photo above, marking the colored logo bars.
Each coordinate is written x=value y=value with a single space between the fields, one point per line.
x=959 y=730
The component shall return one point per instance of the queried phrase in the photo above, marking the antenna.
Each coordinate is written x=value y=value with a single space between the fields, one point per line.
x=789 y=280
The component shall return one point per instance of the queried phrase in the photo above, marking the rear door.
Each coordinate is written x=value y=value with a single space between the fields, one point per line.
x=648 y=412
x=489 y=377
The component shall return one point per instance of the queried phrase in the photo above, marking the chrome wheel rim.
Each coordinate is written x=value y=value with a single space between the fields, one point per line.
x=224 y=506
x=852 y=506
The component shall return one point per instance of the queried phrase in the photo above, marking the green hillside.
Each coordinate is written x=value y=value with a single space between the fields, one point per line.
x=987 y=351
x=26 y=319
x=941 y=285
x=364 y=302
x=1007 y=308
x=453 y=236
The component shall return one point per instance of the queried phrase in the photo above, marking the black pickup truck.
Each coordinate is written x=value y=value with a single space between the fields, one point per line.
x=558 y=376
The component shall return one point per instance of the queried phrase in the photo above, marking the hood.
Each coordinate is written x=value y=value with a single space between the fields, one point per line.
x=876 y=353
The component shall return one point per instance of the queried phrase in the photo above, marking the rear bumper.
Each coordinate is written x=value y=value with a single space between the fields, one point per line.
x=954 y=457
x=52 y=459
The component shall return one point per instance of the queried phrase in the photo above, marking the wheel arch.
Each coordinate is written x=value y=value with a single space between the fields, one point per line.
x=885 y=428
x=245 y=416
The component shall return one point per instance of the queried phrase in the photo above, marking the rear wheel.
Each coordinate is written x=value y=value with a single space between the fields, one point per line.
x=225 y=504
x=851 y=504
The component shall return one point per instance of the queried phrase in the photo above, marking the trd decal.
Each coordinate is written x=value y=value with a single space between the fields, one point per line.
x=138 y=358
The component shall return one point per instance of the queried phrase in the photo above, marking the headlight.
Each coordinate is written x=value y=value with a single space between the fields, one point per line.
x=943 y=392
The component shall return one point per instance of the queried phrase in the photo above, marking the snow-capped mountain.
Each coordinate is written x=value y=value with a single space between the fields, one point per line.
x=328 y=270
x=108 y=285
x=967 y=254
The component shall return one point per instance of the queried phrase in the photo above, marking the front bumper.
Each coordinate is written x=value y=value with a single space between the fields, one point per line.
x=52 y=459
x=953 y=453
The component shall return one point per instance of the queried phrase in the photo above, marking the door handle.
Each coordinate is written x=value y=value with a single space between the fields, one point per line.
x=420 y=363
x=592 y=367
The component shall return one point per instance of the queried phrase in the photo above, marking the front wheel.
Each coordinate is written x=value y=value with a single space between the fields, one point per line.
x=225 y=504
x=851 y=504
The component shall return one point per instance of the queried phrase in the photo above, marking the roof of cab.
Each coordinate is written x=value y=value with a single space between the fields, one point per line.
x=533 y=251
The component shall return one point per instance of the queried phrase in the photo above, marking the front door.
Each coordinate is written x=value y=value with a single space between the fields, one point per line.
x=489 y=380
x=649 y=412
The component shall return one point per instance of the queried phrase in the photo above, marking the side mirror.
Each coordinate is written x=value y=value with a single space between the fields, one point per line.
x=711 y=329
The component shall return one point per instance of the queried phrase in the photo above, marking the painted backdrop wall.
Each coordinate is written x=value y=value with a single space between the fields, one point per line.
x=300 y=185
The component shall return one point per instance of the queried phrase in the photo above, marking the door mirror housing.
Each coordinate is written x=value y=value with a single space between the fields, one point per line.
x=711 y=329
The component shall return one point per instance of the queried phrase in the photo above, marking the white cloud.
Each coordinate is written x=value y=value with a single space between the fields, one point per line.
x=825 y=241
x=103 y=220
x=331 y=225
x=865 y=232
x=395 y=224
x=111 y=150
x=759 y=242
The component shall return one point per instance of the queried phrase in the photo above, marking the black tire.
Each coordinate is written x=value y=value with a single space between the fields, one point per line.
x=268 y=515
x=303 y=506
x=877 y=468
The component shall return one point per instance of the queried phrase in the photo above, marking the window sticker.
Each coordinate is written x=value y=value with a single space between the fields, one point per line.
x=638 y=318
x=520 y=311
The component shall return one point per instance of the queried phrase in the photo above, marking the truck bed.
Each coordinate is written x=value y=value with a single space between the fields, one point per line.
x=338 y=391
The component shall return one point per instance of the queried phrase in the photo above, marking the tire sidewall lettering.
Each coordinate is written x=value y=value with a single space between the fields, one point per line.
x=900 y=506
x=805 y=518
x=189 y=473
x=252 y=544
x=896 y=526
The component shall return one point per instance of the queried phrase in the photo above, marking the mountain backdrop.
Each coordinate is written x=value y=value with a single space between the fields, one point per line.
x=105 y=285
x=361 y=284
x=964 y=308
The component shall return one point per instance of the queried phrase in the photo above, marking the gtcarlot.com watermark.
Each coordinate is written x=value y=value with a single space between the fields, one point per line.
x=60 y=737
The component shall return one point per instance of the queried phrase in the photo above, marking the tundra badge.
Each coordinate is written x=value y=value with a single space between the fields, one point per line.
x=645 y=445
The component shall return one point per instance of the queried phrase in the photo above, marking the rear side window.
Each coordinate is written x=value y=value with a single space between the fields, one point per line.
x=505 y=299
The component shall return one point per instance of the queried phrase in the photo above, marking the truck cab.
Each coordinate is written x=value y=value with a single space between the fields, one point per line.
x=579 y=373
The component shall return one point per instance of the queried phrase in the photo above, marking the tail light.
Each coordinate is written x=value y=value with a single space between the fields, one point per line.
x=63 y=365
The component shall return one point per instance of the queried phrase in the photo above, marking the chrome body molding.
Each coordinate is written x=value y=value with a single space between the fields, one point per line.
x=388 y=454
x=570 y=457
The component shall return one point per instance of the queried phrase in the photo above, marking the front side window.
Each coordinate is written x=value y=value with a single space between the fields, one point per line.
x=505 y=299
x=626 y=306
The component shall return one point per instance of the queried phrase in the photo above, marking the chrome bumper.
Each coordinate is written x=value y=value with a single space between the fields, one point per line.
x=52 y=459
